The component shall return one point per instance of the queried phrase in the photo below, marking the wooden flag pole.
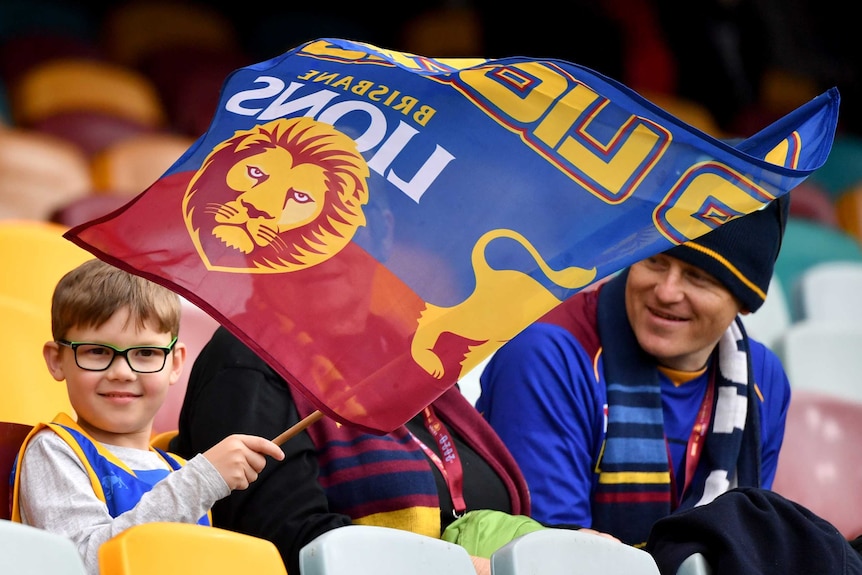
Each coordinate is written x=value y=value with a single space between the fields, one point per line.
x=298 y=427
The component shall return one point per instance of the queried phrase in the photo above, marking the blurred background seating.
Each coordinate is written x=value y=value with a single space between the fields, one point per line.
x=90 y=130
x=806 y=243
x=820 y=465
x=768 y=323
x=34 y=255
x=39 y=173
x=830 y=291
x=823 y=356
x=30 y=394
x=848 y=210
x=809 y=200
x=21 y=53
x=130 y=166
x=73 y=84
x=189 y=79
x=86 y=208
x=70 y=153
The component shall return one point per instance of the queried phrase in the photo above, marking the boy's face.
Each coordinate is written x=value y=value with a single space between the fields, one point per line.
x=117 y=405
x=677 y=311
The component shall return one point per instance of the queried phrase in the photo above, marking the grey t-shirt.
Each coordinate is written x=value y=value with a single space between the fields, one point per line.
x=56 y=494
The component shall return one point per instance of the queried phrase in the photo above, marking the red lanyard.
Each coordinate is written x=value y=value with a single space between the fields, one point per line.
x=450 y=465
x=696 y=440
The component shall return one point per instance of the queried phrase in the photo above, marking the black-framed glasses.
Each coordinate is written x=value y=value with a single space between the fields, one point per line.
x=100 y=356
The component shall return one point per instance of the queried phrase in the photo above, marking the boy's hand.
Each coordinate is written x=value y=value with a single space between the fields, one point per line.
x=240 y=458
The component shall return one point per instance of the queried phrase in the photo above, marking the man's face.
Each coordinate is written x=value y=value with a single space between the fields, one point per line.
x=678 y=312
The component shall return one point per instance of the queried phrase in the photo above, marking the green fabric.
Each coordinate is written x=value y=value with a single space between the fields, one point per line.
x=483 y=532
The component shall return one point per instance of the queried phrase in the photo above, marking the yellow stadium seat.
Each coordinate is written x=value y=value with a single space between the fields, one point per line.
x=183 y=548
x=70 y=84
x=163 y=440
x=34 y=255
x=29 y=393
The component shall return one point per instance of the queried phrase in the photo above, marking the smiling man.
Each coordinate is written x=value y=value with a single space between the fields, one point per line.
x=645 y=396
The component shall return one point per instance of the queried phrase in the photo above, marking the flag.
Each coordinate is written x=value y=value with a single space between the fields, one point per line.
x=374 y=223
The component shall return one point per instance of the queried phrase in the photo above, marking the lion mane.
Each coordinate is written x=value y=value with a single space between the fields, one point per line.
x=239 y=223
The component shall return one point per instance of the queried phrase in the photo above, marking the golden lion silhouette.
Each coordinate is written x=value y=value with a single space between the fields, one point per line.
x=480 y=317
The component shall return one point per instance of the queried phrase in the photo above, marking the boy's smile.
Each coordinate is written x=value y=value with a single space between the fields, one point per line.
x=117 y=404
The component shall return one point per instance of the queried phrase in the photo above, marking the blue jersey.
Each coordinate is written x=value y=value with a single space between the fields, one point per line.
x=544 y=393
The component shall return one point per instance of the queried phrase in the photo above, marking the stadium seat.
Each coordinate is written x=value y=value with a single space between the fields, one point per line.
x=12 y=435
x=162 y=440
x=69 y=84
x=769 y=322
x=90 y=130
x=569 y=551
x=374 y=550
x=830 y=291
x=810 y=201
x=26 y=550
x=820 y=466
x=807 y=243
x=695 y=564
x=29 y=393
x=184 y=549
x=823 y=356
x=87 y=208
x=130 y=166
x=39 y=173
x=34 y=255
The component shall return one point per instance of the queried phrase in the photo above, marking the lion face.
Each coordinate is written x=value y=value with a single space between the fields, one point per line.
x=274 y=196
x=283 y=196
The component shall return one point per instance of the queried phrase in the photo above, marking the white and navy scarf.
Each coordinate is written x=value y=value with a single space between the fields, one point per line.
x=634 y=488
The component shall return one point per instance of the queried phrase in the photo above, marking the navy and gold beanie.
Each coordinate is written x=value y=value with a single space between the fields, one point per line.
x=741 y=254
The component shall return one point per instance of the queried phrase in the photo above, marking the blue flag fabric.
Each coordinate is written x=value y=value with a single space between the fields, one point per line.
x=376 y=223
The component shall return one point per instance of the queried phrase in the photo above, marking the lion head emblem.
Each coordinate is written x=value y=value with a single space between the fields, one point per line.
x=282 y=196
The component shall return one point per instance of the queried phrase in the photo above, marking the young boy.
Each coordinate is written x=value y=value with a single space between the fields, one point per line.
x=115 y=344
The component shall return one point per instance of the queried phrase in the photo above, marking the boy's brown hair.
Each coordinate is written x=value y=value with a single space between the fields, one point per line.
x=91 y=293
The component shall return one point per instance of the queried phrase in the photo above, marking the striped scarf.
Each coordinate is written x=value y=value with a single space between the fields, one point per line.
x=388 y=481
x=634 y=487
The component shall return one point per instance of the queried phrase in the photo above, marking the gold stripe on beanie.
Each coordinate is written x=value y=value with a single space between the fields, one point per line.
x=723 y=261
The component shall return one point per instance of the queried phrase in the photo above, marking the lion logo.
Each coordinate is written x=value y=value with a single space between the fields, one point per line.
x=280 y=197
x=480 y=317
